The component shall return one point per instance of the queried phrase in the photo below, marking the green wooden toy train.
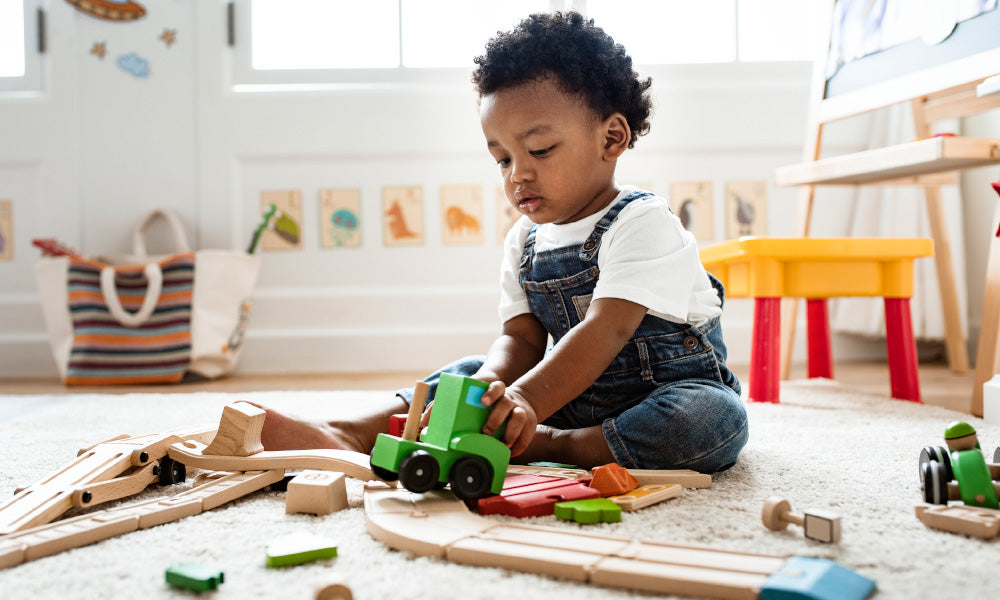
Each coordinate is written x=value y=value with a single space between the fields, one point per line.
x=452 y=448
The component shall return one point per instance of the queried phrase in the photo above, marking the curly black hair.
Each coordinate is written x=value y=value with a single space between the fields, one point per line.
x=584 y=59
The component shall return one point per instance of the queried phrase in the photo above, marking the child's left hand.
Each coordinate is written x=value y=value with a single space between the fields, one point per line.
x=508 y=405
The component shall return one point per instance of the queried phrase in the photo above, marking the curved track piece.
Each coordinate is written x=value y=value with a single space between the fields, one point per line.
x=352 y=464
x=438 y=524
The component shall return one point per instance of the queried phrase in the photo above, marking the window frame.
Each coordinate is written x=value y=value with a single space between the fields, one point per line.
x=247 y=79
x=31 y=83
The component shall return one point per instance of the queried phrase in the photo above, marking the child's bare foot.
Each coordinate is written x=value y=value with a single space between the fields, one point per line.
x=357 y=433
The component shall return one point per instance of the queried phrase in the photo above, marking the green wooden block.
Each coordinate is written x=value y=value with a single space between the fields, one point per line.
x=552 y=465
x=194 y=577
x=592 y=510
x=299 y=548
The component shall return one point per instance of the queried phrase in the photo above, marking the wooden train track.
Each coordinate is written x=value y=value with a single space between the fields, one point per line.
x=438 y=524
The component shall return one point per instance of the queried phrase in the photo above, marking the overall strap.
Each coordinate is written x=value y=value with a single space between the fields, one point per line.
x=527 y=253
x=593 y=243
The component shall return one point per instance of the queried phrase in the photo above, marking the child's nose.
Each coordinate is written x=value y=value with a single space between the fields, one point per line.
x=520 y=171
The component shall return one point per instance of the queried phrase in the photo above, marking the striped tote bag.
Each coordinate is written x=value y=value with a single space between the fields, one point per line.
x=150 y=320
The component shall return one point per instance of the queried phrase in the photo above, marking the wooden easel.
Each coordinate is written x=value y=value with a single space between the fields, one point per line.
x=942 y=91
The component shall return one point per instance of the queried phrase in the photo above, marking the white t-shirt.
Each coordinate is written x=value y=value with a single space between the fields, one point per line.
x=646 y=256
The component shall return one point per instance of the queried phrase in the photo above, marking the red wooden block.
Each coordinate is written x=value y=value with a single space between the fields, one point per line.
x=613 y=480
x=397 y=423
x=534 y=495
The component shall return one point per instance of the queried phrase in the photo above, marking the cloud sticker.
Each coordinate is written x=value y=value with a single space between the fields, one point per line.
x=134 y=64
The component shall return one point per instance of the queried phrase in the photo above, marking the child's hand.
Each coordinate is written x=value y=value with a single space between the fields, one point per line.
x=425 y=417
x=511 y=407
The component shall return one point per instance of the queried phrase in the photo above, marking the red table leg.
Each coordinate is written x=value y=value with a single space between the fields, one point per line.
x=820 y=362
x=902 y=350
x=765 y=350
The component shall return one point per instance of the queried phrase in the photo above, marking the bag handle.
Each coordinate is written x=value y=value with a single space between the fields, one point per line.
x=155 y=278
x=180 y=238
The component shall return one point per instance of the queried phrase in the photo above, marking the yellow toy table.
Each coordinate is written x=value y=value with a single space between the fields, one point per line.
x=769 y=269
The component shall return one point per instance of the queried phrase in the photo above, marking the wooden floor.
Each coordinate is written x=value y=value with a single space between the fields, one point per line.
x=939 y=386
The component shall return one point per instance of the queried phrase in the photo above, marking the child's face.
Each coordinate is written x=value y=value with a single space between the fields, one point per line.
x=553 y=151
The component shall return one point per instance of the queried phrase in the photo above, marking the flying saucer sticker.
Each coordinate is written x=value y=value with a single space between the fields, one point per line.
x=6 y=230
x=284 y=231
x=340 y=218
x=461 y=215
x=134 y=65
x=403 y=215
x=507 y=215
x=110 y=10
x=746 y=208
x=691 y=201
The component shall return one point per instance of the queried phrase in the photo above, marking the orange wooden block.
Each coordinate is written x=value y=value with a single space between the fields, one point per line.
x=613 y=480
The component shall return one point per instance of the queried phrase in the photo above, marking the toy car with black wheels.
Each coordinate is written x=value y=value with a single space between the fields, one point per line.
x=452 y=448
x=959 y=471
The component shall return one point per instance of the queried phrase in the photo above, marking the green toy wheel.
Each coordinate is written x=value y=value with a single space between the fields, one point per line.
x=419 y=471
x=384 y=474
x=974 y=482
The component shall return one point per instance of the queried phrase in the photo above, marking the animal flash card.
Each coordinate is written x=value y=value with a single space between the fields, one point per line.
x=284 y=230
x=6 y=230
x=507 y=215
x=403 y=215
x=691 y=201
x=340 y=218
x=746 y=208
x=461 y=215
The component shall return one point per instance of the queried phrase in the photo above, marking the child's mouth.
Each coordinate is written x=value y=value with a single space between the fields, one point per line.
x=528 y=205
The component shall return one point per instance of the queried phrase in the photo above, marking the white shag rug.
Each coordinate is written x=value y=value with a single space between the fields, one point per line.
x=824 y=447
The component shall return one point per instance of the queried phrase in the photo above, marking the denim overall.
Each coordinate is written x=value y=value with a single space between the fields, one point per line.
x=667 y=401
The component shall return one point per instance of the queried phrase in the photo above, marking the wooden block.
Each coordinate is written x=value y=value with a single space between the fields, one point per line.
x=317 y=493
x=593 y=510
x=239 y=431
x=194 y=577
x=647 y=495
x=612 y=480
x=546 y=471
x=983 y=523
x=299 y=548
x=816 y=525
x=534 y=496
x=685 y=477
x=397 y=423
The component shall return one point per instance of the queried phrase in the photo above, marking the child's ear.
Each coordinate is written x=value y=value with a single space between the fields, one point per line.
x=617 y=135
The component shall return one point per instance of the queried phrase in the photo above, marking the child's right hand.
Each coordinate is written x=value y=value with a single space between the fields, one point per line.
x=510 y=407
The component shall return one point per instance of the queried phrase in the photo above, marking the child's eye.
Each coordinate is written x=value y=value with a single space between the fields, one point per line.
x=542 y=152
x=503 y=162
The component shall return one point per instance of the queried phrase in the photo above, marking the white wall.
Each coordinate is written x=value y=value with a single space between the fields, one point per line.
x=85 y=160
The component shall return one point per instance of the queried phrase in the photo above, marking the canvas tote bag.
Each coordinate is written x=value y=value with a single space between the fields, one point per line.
x=140 y=319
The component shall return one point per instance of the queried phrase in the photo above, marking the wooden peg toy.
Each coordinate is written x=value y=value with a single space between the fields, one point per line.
x=333 y=591
x=816 y=525
x=316 y=493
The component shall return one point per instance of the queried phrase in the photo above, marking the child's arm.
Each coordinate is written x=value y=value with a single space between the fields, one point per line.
x=561 y=375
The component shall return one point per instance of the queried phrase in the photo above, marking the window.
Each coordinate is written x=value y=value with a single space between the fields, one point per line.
x=338 y=41
x=20 y=68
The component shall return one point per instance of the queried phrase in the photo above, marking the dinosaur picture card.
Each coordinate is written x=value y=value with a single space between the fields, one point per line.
x=403 y=215
x=284 y=230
